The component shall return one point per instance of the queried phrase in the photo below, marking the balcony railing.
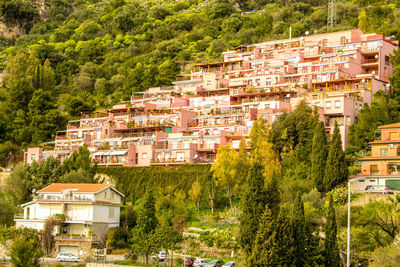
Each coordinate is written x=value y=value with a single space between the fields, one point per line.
x=19 y=216
x=77 y=198
x=76 y=237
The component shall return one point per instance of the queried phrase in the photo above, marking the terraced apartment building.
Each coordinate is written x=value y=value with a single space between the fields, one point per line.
x=186 y=123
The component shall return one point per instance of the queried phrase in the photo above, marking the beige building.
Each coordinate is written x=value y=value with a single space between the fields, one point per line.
x=89 y=211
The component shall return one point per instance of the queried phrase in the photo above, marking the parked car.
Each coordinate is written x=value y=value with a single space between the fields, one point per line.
x=215 y=263
x=229 y=264
x=377 y=188
x=162 y=255
x=66 y=256
x=199 y=262
x=9 y=169
x=188 y=261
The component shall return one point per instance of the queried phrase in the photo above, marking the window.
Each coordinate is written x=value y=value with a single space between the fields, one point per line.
x=361 y=181
x=338 y=104
x=144 y=155
x=393 y=136
x=373 y=169
x=342 y=40
x=384 y=152
x=111 y=213
x=373 y=181
x=328 y=104
x=33 y=157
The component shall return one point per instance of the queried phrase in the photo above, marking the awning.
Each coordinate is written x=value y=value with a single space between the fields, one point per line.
x=118 y=153
x=110 y=153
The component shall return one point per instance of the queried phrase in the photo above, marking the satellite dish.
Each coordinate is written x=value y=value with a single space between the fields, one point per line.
x=307 y=32
x=376 y=56
x=195 y=156
x=363 y=80
x=33 y=190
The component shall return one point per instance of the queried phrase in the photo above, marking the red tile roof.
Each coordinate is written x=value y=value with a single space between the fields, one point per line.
x=80 y=188
x=389 y=126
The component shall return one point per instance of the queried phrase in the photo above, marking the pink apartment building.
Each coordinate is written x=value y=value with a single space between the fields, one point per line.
x=337 y=72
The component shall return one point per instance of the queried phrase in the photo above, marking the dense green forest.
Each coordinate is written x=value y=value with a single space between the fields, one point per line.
x=77 y=56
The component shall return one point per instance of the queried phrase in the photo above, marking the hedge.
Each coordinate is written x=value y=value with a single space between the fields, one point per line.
x=160 y=179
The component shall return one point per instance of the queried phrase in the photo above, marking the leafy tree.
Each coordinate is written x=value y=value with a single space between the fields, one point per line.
x=48 y=241
x=7 y=211
x=318 y=157
x=336 y=170
x=252 y=206
x=26 y=253
x=262 y=150
x=195 y=193
x=332 y=257
x=383 y=110
x=10 y=154
x=225 y=171
x=116 y=238
x=167 y=237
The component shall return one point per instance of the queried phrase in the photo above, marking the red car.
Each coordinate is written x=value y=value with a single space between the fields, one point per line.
x=188 y=261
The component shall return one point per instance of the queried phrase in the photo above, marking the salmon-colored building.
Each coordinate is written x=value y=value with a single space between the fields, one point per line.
x=337 y=72
x=381 y=165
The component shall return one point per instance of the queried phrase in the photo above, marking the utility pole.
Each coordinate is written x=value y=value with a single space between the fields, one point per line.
x=332 y=13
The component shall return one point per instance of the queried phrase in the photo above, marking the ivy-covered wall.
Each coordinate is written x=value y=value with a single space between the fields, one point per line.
x=163 y=179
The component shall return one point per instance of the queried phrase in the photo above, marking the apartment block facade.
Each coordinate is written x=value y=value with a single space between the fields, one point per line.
x=337 y=72
x=381 y=165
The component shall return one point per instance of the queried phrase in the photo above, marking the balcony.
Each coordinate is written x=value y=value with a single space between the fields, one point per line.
x=74 y=237
x=61 y=198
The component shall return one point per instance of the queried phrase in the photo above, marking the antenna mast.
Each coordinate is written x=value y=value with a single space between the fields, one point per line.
x=331 y=13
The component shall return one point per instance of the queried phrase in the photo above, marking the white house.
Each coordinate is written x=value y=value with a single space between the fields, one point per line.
x=89 y=211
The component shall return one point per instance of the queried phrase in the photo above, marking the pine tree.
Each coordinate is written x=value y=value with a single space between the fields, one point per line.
x=318 y=156
x=266 y=247
x=332 y=257
x=336 y=170
x=253 y=205
x=143 y=233
x=299 y=232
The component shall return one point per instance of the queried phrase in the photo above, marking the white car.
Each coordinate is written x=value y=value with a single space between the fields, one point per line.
x=66 y=256
x=199 y=262
x=163 y=255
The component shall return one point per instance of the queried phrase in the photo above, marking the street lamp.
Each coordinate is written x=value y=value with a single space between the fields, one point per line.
x=348 y=218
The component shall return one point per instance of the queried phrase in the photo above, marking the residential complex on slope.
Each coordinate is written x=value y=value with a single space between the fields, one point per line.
x=336 y=72
x=89 y=211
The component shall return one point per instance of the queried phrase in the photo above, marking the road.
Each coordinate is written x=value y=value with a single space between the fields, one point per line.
x=45 y=262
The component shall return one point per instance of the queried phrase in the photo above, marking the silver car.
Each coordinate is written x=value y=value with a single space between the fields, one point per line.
x=66 y=256
x=199 y=262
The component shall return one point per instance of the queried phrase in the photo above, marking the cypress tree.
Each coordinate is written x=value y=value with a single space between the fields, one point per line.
x=272 y=194
x=147 y=220
x=298 y=232
x=253 y=205
x=336 y=168
x=266 y=247
x=332 y=257
x=318 y=156
x=143 y=233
